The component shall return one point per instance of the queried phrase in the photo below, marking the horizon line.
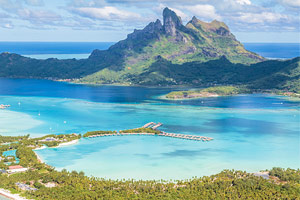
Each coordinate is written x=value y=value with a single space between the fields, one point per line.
x=119 y=41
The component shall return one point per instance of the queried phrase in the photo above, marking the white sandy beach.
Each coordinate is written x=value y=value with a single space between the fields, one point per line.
x=40 y=148
x=68 y=143
x=8 y=194
x=38 y=157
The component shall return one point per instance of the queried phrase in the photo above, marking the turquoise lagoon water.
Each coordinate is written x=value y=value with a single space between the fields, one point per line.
x=11 y=153
x=4 y=198
x=251 y=132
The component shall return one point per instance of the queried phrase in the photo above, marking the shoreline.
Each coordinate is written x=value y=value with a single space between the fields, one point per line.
x=163 y=97
x=67 y=143
x=60 y=145
x=40 y=148
x=8 y=194
x=38 y=157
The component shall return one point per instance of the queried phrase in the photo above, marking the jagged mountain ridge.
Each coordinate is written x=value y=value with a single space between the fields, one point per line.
x=197 y=41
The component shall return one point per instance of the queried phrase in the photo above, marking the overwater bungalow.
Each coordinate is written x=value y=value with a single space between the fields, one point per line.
x=2 y=106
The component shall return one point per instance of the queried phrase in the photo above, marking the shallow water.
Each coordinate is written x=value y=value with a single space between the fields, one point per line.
x=4 y=198
x=251 y=132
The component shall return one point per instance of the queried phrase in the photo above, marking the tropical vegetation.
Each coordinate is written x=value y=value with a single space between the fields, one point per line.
x=141 y=130
x=207 y=92
x=95 y=133
x=64 y=185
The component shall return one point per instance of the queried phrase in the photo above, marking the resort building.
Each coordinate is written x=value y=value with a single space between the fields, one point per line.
x=48 y=139
x=26 y=187
x=16 y=169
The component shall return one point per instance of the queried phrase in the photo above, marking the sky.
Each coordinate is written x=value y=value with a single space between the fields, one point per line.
x=111 y=20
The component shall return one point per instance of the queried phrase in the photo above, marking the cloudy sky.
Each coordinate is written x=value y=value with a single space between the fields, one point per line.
x=112 y=20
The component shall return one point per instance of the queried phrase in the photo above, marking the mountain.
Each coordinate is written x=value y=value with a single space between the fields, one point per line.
x=166 y=54
x=197 y=41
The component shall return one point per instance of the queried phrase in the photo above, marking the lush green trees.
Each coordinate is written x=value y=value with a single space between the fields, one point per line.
x=286 y=174
x=92 y=133
x=283 y=183
x=225 y=185
x=27 y=156
x=7 y=139
x=140 y=130
x=208 y=92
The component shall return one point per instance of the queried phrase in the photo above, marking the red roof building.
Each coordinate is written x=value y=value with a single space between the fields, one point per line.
x=15 y=167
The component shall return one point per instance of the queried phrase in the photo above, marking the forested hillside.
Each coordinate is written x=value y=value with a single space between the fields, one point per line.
x=166 y=54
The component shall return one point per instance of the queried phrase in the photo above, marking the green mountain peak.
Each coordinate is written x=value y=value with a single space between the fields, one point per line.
x=169 y=53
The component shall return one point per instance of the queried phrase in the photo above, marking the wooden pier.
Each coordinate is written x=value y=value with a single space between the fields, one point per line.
x=148 y=125
x=152 y=125
x=186 y=137
x=163 y=134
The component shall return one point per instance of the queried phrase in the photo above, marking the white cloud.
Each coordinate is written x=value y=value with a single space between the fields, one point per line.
x=39 y=16
x=292 y=3
x=263 y=17
x=88 y=3
x=105 y=13
x=9 y=5
x=6 y=24
x=4 y=15
x=244 y=2
x=203 y=10
x=34 y=2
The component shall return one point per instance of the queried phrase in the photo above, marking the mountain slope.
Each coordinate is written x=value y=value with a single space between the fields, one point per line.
x=197 y=41
x=273 y=74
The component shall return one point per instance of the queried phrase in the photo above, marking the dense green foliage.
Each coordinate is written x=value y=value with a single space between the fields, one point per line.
x=268 y=75
x=286 y=174
x=57 y=139
x=27 y=156
x=16 y=66
x=73 y=185
x=207 y=92
x=225 y=185
x=141 y=130
x=224 y=90
x=92 y=133
x=7 y=139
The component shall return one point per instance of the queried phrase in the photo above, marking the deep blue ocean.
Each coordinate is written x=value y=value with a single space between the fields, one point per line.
x=31 y=48
x=44 y=50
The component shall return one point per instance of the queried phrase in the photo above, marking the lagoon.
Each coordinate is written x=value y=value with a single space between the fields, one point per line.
x=251 y=132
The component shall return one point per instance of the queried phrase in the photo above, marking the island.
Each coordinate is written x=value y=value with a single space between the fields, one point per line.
x=32 y=179
x=167 y=53
x=207 y=92
x=218 y=91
